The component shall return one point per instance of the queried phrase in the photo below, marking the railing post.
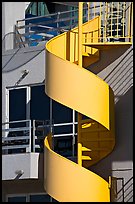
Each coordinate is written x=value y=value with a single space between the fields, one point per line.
x=58 y=17
x=34 y=129
x=88 y=10
x=29 y=135
x=80 y=19
x=73 y=137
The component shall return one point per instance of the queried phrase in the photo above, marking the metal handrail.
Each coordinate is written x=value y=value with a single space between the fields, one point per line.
x=12 y=142
x=34 y=141
x=48 y=15
x=16 y=121
x=58 y=19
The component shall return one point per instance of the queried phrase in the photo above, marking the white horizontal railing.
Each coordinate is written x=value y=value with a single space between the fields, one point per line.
x=28 y=136
x=17 y=136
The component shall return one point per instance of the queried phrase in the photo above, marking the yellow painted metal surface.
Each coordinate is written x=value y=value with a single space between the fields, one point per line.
x=77 y=88
x=66 y=181
x=81 y=90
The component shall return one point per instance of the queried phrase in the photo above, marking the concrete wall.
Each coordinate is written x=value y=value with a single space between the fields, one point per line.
x=11 y=12
x=31 y=165
x=17 y=60
x=119 y=75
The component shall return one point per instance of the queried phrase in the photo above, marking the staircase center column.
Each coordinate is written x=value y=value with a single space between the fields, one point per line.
x=80 y=17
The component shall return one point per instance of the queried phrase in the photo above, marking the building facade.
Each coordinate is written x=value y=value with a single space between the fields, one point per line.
x=28 y=113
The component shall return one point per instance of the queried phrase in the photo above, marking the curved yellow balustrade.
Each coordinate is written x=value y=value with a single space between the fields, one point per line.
x=67 y=181
x=83 y=91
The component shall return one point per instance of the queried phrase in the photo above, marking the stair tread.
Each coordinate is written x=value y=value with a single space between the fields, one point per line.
x=107 y=45
x=86 y=158
x=86 y=149
x=87 y=54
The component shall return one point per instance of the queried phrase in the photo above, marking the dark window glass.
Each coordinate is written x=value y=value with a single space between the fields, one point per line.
x=40 y=103
x=39 y=198
x=17 y=104
x=17 y=199
x=63 y=129
x=61 y=113
x=63 y=146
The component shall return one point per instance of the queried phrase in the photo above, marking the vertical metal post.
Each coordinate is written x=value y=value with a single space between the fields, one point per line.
x=88 y=11
x=111 y=18
x=27 y=197
x=51 y=128
x=34 y=135
x=105 y=20
x=73 y=139
x=123 y=189
x=123 y=17
x=131 y=21
x=118 y=13
x=80 y=34
x=28 y=98
x=51 y=115
x=7 y=111
x=100 y=31
x=28 y=124
x=80 y=64
x=29 y=135
x=58 y=17
x=51 y=199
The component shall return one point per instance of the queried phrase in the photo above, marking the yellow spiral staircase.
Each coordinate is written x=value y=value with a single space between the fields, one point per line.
x=77 y=88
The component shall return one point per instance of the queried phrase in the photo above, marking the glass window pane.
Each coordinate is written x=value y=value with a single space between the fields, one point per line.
x=63 y=146
x=61 y=113
x=17 y=104
x=40 y=198
x=34 y=8
x=17 y=199
x=40 y=103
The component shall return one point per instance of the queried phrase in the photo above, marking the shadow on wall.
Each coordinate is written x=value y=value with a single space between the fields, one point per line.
x=107 y=57
x=120 y=78
x=124 y=127
x=13 y=59
x=125 y=193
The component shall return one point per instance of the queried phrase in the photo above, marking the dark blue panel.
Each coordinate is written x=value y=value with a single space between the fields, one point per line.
x=17 y=104
x=39 y=198
x=39 y=103
x=61 y=113
x=17 y=199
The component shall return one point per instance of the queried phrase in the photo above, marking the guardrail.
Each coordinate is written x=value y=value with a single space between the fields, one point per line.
x=35 y=30
x=26 y=136
x=116 y=24
x=17 y=137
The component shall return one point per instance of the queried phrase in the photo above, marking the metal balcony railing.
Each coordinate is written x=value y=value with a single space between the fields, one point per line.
x=27 y=136
x=116 y=21
x=116 y=24
x=35 y=30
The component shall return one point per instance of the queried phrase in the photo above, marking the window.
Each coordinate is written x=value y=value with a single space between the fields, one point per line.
x=40 y=198
x=33 y=197
x=17 y=104
x=40 y=103
x=16 y=198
